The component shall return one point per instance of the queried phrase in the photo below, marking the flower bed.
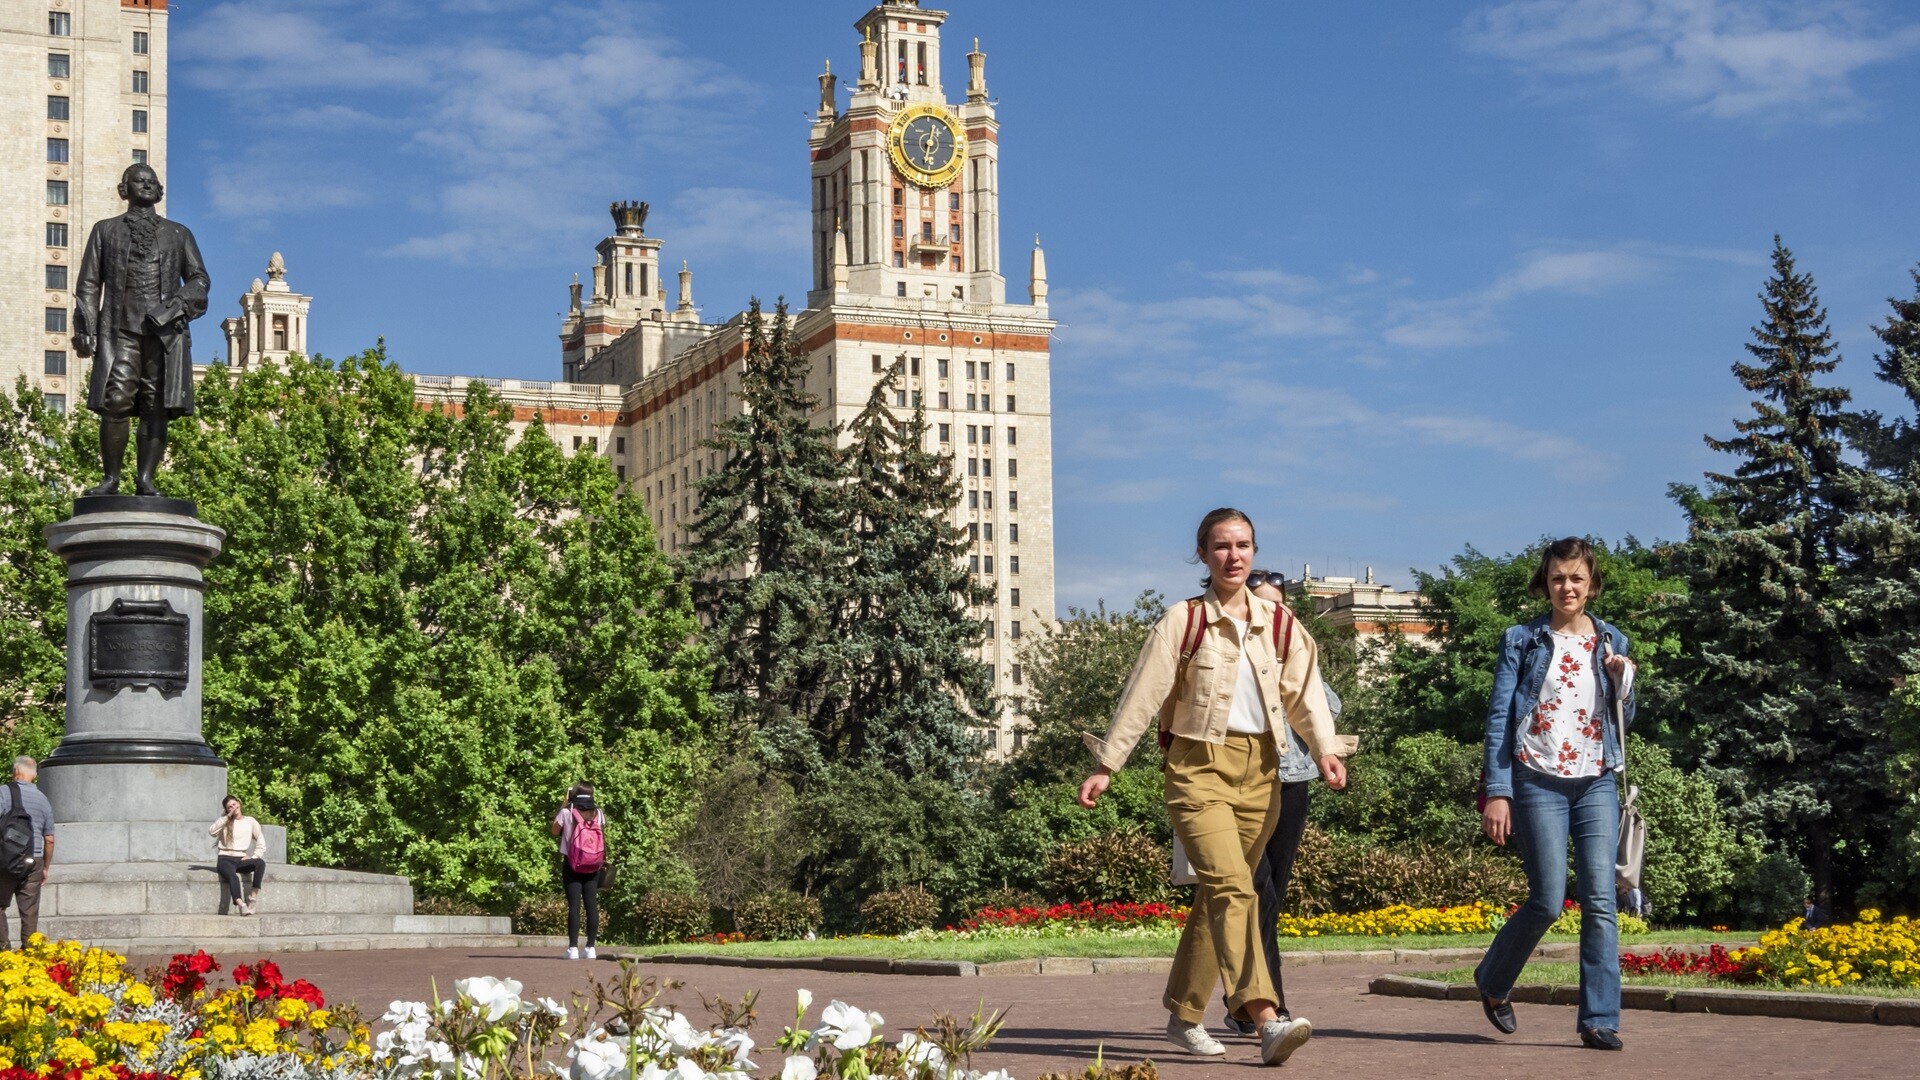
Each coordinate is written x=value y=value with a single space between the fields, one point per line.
x=68 y=1012
x=1394 y=921
x=1864 y=953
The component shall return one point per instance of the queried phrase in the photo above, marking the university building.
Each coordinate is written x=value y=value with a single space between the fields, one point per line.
x=83 y=94
x=907 y=270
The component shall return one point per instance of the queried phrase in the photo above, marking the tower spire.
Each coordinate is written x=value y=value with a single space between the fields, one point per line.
x=976 y=73
x=1037 y=285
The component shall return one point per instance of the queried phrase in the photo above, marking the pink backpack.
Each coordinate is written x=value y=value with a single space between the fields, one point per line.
x=587 y=848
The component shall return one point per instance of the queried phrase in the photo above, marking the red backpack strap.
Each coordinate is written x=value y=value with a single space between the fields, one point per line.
x=1196 y=629
x=1282 y=632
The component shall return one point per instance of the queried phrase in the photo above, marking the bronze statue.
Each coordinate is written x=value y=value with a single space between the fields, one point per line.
x=141 y=282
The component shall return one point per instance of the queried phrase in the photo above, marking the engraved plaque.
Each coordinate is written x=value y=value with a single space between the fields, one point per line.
x=138 y=643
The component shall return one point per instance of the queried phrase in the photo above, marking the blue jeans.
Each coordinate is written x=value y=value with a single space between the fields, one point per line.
x=1547 y=812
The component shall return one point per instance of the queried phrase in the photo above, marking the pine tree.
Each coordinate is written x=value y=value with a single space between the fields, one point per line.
x=770 y=551
x=1768 y=709
x=917 y=683
x=1881 y=591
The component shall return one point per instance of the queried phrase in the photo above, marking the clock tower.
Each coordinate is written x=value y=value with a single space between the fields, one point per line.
x=906 y=185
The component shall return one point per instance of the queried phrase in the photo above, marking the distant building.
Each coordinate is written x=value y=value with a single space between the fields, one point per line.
x=1366 y=607
x=272 y=323
x=83 y=95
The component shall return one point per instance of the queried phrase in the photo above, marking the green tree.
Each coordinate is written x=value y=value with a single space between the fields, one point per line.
x=770 y=551
x=1074 y=672
x=40 y=455
x=916 y=683
x=1765 y=680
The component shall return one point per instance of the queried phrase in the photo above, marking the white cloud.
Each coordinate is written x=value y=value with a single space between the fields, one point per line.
x=1473 y=318
x=722 y=220
x=1723 y=58
x=500 y=134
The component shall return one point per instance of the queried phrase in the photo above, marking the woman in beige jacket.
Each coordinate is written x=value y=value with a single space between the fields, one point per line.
x=241 y=847
x=1232 y=667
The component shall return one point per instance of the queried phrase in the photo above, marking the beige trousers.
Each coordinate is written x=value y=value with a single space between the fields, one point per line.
x=1222 y=799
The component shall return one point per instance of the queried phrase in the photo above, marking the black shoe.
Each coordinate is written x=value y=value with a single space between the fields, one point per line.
x=1601 y=1039
x=1501 y=1015
x=1237 y=1025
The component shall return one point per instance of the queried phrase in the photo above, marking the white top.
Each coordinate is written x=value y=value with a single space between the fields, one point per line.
x=1247 y=716
x=247 y=841
x=1562 y=736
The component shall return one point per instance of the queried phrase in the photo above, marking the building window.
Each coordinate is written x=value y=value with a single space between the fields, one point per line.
x=1009 y=372
x=971 y=370
x=973 y=532
x=876 y=363
x=576 y=442
x=56 y=275
x=620 y=473
x=1013 y=598
x=986 y=466
x=946 y=431
x=945 y=398
x=56 y=193
x=59 y=107
x=988 y=501
x=986 y=532
x=973 y=563
x=926 y=230
x=973 y=466
x=593 y=443
x=987 y=565
x=620 y=444
x=56 y=403
x=280 y=333
x=1013 y=534
x=1013 y=435
x=1013 y=628
x=1013 y=467
x=56 y=362
x=973 y=500
x=913 y=367
x=1016 y=675
x=57 y=150
x=59 y=65
x=973 y=434
x=941 y=368
x=139 y=157
x=970 y=400
x=899 y=228
x=899 y=263
x=1013 y=565
x=56 y=320
x=953 y=200
x=899 y=196
x=900 y=399
x=1010 y=407
x=139 y=82
x=986 y=435
x=60 y=23
x=140 y=43
x=954 y=264
x=139 y=121
x=1013 y=497
x=57 y=234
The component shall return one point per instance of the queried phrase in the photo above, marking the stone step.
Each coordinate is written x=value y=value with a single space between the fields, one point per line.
x=267 y=925
x=151 y=950
x=145 y=889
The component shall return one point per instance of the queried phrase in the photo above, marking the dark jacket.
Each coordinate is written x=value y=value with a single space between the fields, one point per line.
x=104 y=303
x=1526 y=652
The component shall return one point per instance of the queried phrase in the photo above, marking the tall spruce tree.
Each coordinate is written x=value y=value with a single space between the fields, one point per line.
x=1882 y=592
x=1769 y=712
x=770 y=551
x=917 y=683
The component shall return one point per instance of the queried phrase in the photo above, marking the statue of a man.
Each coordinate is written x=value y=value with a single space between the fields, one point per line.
x=141 y=281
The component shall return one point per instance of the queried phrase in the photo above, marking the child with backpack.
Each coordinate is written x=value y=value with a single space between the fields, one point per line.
x=582 y=828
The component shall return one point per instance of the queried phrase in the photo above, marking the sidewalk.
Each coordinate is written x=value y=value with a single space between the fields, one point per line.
x=1055 y=1022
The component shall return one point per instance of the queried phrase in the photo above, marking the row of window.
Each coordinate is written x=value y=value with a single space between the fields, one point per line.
x=983 y=500
x=984 y=467
x=976 y=369
x=977 y=532
x=60 y=24
x=983 y=564
x=926 y=199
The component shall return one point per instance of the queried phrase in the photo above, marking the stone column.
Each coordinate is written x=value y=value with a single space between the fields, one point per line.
x=134 y=780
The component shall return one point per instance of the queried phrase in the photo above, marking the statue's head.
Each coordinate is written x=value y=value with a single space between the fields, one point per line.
x=140 y=185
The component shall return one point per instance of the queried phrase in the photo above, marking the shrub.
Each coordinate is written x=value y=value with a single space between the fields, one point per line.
x=546 y=913
x=1693 y=854
x=782 y=915
x=1569 y=921
x=662 y=918
x=1002 y=899
x=1769 y=891
x=1345 y=874
x=896 y=912
x=451 y=905
x=1126 y=866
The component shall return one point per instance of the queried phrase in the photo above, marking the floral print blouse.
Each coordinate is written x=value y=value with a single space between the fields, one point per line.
x=1562 y=736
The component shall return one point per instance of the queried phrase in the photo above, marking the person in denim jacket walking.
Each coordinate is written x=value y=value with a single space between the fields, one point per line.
x=1553 y=755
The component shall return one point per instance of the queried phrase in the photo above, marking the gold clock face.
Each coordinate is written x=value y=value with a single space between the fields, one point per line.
x=927 y=145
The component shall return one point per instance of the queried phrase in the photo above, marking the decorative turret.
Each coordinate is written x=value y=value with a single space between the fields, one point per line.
x=629 y=218
x=839 y=255
x=976 y=73
x=573 y=296
x=828 y=110
x=272 y=323
x=869 y=62
x=1037 y=286
x=599 y=281
x=686 y=287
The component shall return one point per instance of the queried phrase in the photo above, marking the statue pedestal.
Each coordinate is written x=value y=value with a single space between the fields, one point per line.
x=134 y=780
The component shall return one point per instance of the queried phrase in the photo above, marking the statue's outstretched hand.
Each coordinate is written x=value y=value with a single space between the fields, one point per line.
x=83 y=345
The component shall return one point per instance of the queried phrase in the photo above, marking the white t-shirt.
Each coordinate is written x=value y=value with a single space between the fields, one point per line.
x=1248 y=716
x=1562 y=735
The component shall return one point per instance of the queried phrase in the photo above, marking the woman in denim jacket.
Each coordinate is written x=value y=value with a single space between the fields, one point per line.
x=1553 y=754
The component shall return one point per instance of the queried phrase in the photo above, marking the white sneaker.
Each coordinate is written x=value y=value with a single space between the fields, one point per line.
x=1193 y=1038
x=589 y=953
x=573 y=953
x=1280 y=1038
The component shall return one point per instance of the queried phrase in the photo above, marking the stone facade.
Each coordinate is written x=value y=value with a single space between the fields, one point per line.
x=1368 y=608
x=83 y=94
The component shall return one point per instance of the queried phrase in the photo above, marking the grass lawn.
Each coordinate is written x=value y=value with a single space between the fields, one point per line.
x=1101 y=945
x=1569 y=974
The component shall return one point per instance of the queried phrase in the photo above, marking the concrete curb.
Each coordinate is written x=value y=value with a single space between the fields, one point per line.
x=1783 y=1005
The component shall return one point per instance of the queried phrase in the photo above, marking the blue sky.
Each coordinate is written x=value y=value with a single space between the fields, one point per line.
x=1394 y=277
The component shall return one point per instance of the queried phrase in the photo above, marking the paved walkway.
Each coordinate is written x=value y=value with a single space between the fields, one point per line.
x=1056 y=1022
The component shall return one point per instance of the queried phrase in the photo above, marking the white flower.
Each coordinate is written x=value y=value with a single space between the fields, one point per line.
x=845 y=1026
x=799 y=1067
x=737 y=1042
x=920 y=1053
x=596 y=1059
x=406 y=1012
x=997 y=1074
x=806 y=1000
x=685 y=1069
x=495 y=999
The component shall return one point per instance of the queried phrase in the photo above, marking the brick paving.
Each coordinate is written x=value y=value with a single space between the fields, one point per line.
x=1056 y=1022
